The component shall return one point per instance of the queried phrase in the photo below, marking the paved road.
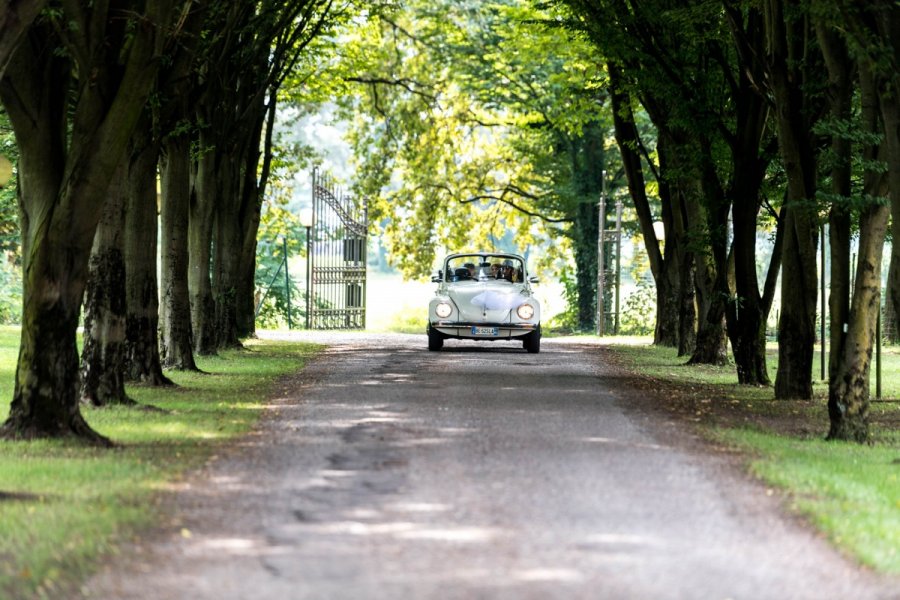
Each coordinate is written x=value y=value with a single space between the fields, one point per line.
x=386 y=471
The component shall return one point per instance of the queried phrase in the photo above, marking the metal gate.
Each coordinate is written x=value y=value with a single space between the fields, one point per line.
x=336 y=255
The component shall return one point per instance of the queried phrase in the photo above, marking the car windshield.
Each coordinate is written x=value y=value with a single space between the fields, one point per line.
x=484 y=267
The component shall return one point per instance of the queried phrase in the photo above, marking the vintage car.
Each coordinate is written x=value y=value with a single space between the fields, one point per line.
x=484 y=296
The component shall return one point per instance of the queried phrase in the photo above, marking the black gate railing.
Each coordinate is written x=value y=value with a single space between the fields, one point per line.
x=337 y=258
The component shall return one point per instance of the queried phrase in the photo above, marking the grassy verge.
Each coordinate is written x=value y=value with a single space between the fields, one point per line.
x=64 y=505
x=850 y=492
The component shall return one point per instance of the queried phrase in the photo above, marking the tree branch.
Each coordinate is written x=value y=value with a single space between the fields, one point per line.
x=407 y=84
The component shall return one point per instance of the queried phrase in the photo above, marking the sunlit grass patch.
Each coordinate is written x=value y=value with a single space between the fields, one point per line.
x=850 y=492
x=62 y=504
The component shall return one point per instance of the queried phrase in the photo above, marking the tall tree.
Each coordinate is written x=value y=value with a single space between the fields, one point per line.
x=793 y=68
x=142 y=360
x=872 y=34
x=244 y=65
x=674 y=325
x=171 y=136
x=103 y=354
x=73 y=113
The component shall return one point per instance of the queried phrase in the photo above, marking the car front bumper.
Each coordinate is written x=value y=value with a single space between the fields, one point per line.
x=483 y=331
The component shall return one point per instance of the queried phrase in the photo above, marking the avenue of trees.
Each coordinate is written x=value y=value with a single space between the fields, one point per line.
x=729 y=119
x=788 y=107
x=101 y=96
x=472 y=123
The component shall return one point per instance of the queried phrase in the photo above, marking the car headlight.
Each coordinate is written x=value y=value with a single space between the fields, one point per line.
x=443 y=310
x=526 y=311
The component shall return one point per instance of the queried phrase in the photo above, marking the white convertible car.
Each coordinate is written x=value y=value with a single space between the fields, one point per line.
x=484 y=296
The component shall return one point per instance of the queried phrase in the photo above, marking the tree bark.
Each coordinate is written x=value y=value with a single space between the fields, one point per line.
x=848 y=390
x=176 y=343
x=228 y=241
x=707 y=211
x=586 y=229
x=142 y=361
x=209 y=188
x=103 y=352
x=254 y=193
x=687 y=312
x=747 y=312
x=16 y=17
x=892 y=293
x=786 y=41
x=840 y=97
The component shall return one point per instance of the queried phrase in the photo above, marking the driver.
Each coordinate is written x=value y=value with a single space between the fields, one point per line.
x=509 y=272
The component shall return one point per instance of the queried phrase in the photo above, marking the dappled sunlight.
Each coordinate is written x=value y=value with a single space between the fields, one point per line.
x=613 y=442
x=229 y=545
x=359 y=528
x=453 y=534
x=418 y=507
x=621 y=539
x=548 y=574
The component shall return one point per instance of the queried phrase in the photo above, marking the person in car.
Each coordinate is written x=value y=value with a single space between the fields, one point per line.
x=509 y=272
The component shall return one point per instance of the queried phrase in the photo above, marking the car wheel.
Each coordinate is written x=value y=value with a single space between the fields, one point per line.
x=435 y=340
x=532 y=341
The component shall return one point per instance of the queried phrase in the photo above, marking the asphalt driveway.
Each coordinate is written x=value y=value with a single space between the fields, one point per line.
x=387 y=471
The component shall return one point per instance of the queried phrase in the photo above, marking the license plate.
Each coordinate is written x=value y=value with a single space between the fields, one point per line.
x=485 y=331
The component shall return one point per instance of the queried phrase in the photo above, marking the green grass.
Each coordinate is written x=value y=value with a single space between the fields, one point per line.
x=407 y=322
x=72 y=503
x=850 y=492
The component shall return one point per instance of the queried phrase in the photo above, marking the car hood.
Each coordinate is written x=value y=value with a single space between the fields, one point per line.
x=486 y=301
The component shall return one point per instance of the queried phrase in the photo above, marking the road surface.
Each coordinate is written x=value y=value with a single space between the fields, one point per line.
x=386 y=471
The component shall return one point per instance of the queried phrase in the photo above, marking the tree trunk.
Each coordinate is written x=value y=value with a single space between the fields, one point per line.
x=227 y=261
x=892 y=293
x=840 y=93
x=786 y=40
x=797 y=325
x=848 y=392
x=103 y=353
x=586 y=230
x=711 y=347
x=176 y=347
x=253 y=193
x=70 y=140
x=687 y=312
x=15 y=18
x=208 y=191
x=142 y=362
x=665 y=270
x=747 y=312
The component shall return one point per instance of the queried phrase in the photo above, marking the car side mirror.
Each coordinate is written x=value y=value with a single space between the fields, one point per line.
x=533 y=279
x=437 y=278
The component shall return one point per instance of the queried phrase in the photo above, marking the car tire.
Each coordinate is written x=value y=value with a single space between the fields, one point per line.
x=532 y=341
x=435 y=340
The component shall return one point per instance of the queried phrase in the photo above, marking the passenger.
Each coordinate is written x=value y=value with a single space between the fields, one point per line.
x=510 y=272
x=471 y=269
x=495 y=270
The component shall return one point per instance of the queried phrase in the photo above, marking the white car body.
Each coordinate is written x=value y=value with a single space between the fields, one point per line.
x=493 y=301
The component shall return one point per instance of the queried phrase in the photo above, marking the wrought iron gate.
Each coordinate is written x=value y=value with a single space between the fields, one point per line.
x=336 y=254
